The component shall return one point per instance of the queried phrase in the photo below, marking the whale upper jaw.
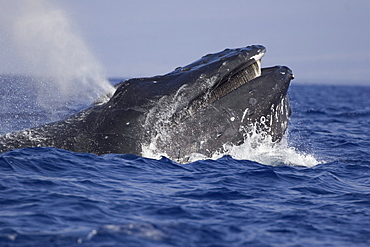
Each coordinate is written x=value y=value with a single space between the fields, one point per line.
x=234 y=68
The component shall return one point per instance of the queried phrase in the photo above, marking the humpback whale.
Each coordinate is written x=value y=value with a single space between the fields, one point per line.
x=219 y=99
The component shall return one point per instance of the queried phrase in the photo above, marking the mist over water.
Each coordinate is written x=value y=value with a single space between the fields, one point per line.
x=50 y=49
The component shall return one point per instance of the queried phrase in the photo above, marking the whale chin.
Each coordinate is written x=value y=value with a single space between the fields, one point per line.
x=219 y=99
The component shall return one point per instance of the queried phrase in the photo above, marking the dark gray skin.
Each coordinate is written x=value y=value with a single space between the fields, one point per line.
x=198 y=108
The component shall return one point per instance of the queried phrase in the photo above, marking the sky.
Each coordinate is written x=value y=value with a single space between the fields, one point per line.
x=321 y=41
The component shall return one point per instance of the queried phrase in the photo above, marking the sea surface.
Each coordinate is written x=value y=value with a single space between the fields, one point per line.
x=312 y=190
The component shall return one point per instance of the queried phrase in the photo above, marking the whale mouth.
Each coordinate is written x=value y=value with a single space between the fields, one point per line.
x=235 y=79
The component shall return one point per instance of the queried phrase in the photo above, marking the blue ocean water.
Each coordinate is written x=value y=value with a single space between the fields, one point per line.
x=53 y=197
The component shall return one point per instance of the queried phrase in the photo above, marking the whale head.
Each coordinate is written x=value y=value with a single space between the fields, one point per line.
x=218 y=99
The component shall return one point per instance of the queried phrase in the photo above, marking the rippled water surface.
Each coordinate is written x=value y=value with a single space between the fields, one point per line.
x=312 y=191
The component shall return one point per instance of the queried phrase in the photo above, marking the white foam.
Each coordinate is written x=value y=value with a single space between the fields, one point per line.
x=266 y=152
x=151 y=150
x=257 y=147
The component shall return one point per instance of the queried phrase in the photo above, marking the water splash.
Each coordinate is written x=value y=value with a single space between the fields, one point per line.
x=42 y=35
x=267 y=152
x=258 y=147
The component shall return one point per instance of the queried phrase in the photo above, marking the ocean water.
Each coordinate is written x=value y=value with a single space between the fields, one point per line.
x=312 y=190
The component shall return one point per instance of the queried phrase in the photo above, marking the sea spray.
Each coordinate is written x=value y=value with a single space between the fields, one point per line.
x=64 y=69
x=257 y=147
x=269 y=153
x=260 y=148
